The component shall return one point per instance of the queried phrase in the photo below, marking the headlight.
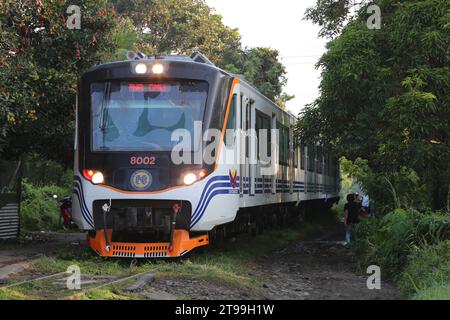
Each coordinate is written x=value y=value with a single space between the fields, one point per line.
x=140 y=68
x=158 y=68
x=194 y=176
x=95 y=177
x=189 y=179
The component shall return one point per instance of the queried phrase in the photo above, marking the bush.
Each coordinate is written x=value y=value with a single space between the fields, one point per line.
x=38 y=209
x=400 y=188
x=410 y=247
x=41 y=172
x=428 y=267
x=435 y=292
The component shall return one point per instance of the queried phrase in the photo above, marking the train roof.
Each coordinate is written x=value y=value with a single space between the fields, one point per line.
x=196 y=58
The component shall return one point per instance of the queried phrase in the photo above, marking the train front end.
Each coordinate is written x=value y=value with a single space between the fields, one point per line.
x=130 y=194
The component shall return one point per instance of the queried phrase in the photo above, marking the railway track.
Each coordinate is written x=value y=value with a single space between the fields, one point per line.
x=58 y=280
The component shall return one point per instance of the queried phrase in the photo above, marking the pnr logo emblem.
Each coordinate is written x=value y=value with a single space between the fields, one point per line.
x=141 y=180
x=233 y=178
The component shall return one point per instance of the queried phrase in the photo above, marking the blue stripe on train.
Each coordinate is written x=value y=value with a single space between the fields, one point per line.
x=78 y=191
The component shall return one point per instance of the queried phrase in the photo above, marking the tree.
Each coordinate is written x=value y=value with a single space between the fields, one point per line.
x=384 y=93
x=332 y=15
x=186 y=26
x=41 y=62
x=16 y=100
x=262 y=69
x=181 y=27
x=41 y=59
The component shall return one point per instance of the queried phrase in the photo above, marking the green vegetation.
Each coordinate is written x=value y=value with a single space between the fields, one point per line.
x=40 y=61
x=383 y=109
x=411 y=248
x=9 y=294
x=41 y=172
x=400 y=189
x=42 y=179
x=384 y=98
x=427 y=271
x=38 y=209
x=437 y=292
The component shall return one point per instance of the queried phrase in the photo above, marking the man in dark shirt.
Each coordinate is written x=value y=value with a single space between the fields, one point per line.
x=350 y=216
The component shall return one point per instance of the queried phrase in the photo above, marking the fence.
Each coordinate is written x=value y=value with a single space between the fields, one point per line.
x=10 y=181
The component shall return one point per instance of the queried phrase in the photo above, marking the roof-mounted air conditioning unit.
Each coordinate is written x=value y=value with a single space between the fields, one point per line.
x=200 y=57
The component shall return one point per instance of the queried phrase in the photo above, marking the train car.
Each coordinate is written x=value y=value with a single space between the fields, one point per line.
x=169 y=154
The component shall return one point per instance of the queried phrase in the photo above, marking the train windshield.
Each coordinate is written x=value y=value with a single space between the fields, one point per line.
x=130 y=116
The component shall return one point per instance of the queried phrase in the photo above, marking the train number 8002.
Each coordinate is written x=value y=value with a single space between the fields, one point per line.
x=148 y=161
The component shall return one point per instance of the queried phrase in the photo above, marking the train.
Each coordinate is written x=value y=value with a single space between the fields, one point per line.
x=172 y=153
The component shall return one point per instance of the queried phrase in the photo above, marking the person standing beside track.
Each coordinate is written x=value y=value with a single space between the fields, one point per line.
x=350 y=217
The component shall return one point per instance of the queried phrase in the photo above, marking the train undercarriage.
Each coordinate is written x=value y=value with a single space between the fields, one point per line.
x=256 y=220
x=160 y=229
x=143 y=229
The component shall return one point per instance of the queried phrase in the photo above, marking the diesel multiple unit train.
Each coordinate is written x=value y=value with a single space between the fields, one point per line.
x=135 y=200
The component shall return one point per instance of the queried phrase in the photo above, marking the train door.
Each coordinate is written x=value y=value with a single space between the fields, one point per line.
x=303 y=165
x=242 y=146
x=275 y=150
x=237 y=148
x=291 y=160
x=246 y=145
x=309 y=168
x=251 y=112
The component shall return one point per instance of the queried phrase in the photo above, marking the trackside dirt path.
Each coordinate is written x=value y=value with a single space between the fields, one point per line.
x=17 y=255
x=319 y=268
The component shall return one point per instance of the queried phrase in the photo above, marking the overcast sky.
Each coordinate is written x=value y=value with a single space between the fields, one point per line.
x=278 y=24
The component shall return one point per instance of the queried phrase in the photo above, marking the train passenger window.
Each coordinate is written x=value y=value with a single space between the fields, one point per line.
x=302 y=156
x=230 y=133
x=248 y=126
x=263 y=122
x=319 y=160
x=283 y=142
x=311 y=158
x=330 y=164
x=296 y=149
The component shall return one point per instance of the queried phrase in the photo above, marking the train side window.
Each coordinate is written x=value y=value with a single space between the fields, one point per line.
x=263 y=123
x=231 y=124
x=311 y=158
x=248 y=126
x=319 y=160
x=330 y=168
x=328 y=164
x=283 y=143
x=302 y=156
x=296 y=149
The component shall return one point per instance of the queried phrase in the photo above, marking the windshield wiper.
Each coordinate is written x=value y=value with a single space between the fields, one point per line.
x=104 y=112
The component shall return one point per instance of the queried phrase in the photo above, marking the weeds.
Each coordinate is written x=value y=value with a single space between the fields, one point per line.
x=411 y=247
x=39 y=210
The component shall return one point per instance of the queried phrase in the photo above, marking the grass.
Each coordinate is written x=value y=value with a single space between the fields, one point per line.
x=412 y=248
x=434 y=292
x=228 y=265
x=102 y=294
x=10 y=294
